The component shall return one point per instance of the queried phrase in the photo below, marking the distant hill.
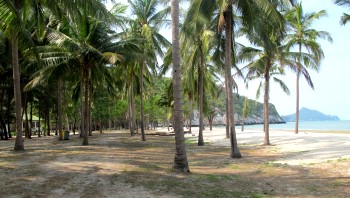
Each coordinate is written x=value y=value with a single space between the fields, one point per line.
x=306 y=114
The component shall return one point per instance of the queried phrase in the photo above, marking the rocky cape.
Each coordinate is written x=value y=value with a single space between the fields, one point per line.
x=255 y=115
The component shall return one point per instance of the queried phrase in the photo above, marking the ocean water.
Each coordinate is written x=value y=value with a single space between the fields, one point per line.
x=343 y=125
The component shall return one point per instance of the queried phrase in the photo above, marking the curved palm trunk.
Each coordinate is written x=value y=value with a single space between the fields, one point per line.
x=235 y=153
x=19 y=146
x=297 y=95
x=266 y=106
x=180 y=160
x=200 y=97
x=141 y=103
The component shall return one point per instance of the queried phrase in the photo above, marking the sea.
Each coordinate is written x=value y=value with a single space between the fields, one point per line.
x=342 y=125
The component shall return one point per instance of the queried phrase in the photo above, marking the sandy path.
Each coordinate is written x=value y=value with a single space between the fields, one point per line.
x=301 y=149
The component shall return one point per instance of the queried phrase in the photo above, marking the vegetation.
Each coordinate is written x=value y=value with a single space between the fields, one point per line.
x=78 y=66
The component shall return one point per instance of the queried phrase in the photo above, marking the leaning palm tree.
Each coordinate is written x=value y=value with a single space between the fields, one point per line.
x=180 y=160
x=346 y=17
x=303 y=37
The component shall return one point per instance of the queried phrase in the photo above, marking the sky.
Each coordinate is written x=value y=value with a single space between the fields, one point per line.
x=331 y=95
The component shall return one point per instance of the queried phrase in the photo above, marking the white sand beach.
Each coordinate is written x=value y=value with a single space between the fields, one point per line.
x=300 y=149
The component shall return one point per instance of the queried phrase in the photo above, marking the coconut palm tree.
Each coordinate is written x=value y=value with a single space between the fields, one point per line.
x=262 y=60
x=346 y=17
x=197 y=38
x=180 y=160
x=303 y=37
x=148 y=21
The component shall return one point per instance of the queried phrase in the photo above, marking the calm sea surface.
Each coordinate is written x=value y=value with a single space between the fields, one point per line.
x=343 y=125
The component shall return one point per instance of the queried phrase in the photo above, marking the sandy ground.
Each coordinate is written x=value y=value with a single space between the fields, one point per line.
x=117 y=165
x=309 y=148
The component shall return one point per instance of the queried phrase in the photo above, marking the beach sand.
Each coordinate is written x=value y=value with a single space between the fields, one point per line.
x=304 y=148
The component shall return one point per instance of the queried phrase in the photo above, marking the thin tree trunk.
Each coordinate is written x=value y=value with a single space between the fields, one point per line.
x=86 y=110
x=89 y=108
x=59 y=109
x=191 y=113
x=31 y=120
x=266 y=106
x=242 y=129
x=180 y=160
x=141 y=104
x=235 y=153
x=82 y=115
x=297 y=94
x=200 y=96
x=39 y=111
x=26 y=124
x=19 y=146
x=132 y=108
x=48 y=122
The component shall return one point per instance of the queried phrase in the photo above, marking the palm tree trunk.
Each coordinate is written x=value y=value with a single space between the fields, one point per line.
x=19 y=146
x=141 y=103
x=59 y=108
x=242 y=129
x=191 y=113
x=266 y=106
x=86 y=125
x=39 y=127
x=132 y=108
x=180 y=160
x=82 y=117
x=227 y=112
x=297 y=95
x=235 y=153
x=91 y=90
x=48 y=121
x=200 y=97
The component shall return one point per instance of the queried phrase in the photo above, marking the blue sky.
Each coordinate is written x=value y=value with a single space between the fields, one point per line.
x=331 y=95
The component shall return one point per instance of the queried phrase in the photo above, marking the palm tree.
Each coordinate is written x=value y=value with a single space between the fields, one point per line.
x=346 y=17
x=196 y=46
x=148 y=21
x=180 y=160
x=303 y=37
x=265 y=61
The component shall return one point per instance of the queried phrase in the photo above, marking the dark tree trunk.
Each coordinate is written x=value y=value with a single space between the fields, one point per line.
x=59 y=110
x=200 y=96
x=3 y=125
x=132 y=107
x=90 y=103
x=19 y=146
x=31 y=119
x=82 y=117
x=143 y=136
x=86 y=112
